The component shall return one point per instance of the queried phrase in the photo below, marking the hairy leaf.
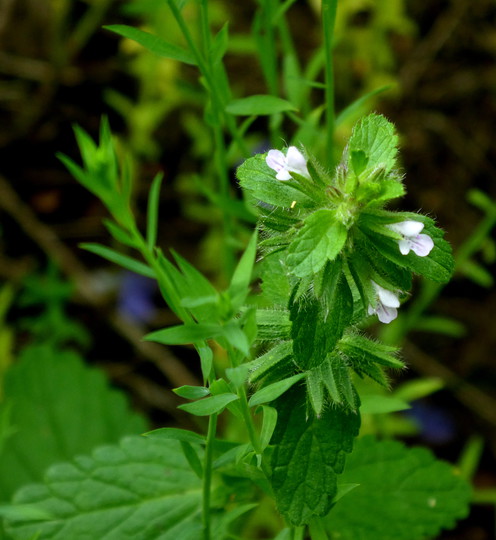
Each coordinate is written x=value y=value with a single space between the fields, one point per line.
x=375 y=138
x=319 y=240
x=260 y=180
x=309 y=453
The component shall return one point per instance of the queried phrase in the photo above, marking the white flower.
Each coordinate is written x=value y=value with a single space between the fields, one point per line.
x=420 y=244
x=386 y=304
x=284 y=165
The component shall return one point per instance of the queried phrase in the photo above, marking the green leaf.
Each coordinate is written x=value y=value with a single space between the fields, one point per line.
x=320 y=239
x=274 y=390
x=191 y=392
x=273 y=324
x=404 y=494
x=316 y=330
x=240 y=281
x=176 y=434
x=209 y=405
x=360 y=349
x=268 y=361
x=142 y=489
x=353 y=108
x=259 y=105
x=260 y=181
x=376 y=138
x=437 y=266
x=117 y=258
x=152 y=213
x=120 y=234
x=184 y=334
x=59 y=408
x=192 y=458
x=153 y=43
x=379 y=404
x=309 y=453
x=268 y=425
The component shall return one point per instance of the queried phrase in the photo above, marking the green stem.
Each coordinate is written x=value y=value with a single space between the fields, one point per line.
x=207 y=475
x=329 y=8
x=297 y=533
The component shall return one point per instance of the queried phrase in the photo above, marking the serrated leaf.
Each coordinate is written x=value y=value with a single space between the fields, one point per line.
x=209 y=405
x=319 y=240
x=274 y=390
x=437 y=266
x=376 y=138
x=309 y=453
x=117 y=258
x=260 y=180
x=142 y=489
x=259 y=105
x=153 y=43
x=404 y=494
x=60 y=408
x=316 y=330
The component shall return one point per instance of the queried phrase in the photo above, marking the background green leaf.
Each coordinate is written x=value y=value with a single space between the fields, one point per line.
x=153 y=43
x=59 y=408
x=404 y=494
x=259 y=105
x=142 y=488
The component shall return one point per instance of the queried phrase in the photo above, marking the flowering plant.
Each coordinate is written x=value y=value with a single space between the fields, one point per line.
x=281 y=366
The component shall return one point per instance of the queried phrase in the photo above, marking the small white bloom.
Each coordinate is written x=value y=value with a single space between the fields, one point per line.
x=284 y=165
x=386 y=304
x=420 y=244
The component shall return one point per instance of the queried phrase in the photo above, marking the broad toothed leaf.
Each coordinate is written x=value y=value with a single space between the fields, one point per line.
x=403 y=494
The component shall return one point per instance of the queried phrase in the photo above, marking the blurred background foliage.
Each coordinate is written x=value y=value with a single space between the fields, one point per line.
x=428 y=66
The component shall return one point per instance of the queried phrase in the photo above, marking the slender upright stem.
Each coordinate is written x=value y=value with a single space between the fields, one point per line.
x=328 y=21
x=207 y=475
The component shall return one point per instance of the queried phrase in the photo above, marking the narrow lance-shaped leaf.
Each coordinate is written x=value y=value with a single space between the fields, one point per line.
x=152 y=214
x=259 y=105
x=122 y=260
x=153 y=43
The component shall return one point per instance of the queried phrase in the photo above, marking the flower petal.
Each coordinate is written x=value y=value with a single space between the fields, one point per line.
x=386 y=314
x=407 y=228
x=386 y=297
x=296 y=161
x=421 y=245
x=405 y=246
x=276 y=160
x=283 y=174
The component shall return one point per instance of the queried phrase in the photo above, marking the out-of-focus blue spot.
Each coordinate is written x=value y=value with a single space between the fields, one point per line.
x=135 y=297
x=436 y=425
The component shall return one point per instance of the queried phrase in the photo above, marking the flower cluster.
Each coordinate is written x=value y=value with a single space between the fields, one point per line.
x=408 y=232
